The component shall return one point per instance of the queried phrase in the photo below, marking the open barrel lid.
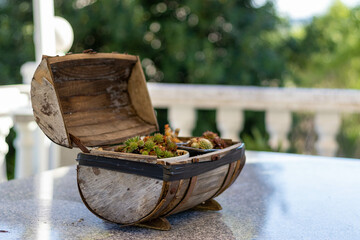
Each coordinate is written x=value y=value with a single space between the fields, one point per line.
x=99 y=98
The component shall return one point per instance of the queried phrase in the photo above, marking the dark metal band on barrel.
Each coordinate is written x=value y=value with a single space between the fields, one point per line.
x=157 y=171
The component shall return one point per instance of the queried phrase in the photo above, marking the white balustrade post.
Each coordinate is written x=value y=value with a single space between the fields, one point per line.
x=327 y=125
x=229 y=121
x=54 y=156
x=183 y=117
x=278 y=124
x=41 y=157
x=24 y=143
x=5 y=125
x=44 y=24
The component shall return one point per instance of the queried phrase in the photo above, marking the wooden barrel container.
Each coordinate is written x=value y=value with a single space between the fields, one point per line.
x=100 y=99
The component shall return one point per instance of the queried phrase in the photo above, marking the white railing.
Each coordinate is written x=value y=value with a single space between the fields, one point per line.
x=34 y=153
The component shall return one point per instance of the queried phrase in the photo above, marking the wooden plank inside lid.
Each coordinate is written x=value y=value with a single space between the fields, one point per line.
x=103 y=97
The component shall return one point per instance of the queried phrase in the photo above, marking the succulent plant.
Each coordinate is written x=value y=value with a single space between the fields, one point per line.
x=159 y=145
x=216 y=141
x=149 y=145
x=209 y=135
x=132 y=146
x=195 y=145
x=205 y=144
x=173 y=135
x=141 y=143
x=168 y=154
x=200 y=142
x=158 y=138
x=131 y=140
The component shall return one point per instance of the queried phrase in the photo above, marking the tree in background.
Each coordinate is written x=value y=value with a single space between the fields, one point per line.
x=326 y=53
x=212 y=42
x=16 y=39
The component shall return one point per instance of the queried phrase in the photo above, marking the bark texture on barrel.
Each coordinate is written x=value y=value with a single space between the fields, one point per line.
x=129 y=199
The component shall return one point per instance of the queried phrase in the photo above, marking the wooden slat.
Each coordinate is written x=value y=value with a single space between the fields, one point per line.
x=180 y=193
x=88 y=88
x=187 y=194
x=210 y=183
x=127 y=156
x=161 y=202
x=106 y=128
x=140 y=97
x=206 y=186
x=208 y=156
x=46 y=108
x=89 y=68
x=116 y=136
x=239 y=166
x=227 y=180
x=169 y=198
x=87 y=103
x=86 y=73
x=100 y=116
x=92 y=56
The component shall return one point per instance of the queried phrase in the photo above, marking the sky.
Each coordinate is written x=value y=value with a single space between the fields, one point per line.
x=305 y=9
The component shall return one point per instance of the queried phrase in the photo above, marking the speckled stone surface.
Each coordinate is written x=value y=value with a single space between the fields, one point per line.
x=277 y=196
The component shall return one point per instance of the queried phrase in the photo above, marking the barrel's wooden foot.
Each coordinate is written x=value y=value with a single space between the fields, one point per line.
x=209 y=205
x=158 y=224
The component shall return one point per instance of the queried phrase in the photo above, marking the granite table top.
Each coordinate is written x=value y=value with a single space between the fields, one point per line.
x=277 y=196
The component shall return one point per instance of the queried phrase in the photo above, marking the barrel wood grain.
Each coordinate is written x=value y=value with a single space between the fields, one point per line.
x=169 y=198
x=46 y=108
x=110 y=114
x=127 y=156
x=118 y=197
x=207 y=184
x=180 y=193
x=117 y=136
x=140 y=97
x=108 y=128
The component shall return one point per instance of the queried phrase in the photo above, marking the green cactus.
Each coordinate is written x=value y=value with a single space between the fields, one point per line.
x=149 y=145
x=158 y=138
x=195 y=145
x=170 y=146
x=131 y=140
x=132 y=147
x=140 y=143
x=145 y=153
x=168 y=154
x=159 y=152
x=205 y=144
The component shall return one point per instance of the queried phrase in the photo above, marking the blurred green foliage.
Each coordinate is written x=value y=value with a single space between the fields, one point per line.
x=16 y=39
x=212 y=42
x=326 y=52
x=10 y=156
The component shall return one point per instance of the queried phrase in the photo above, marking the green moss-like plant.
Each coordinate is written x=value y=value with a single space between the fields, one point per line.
x=159 y=145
